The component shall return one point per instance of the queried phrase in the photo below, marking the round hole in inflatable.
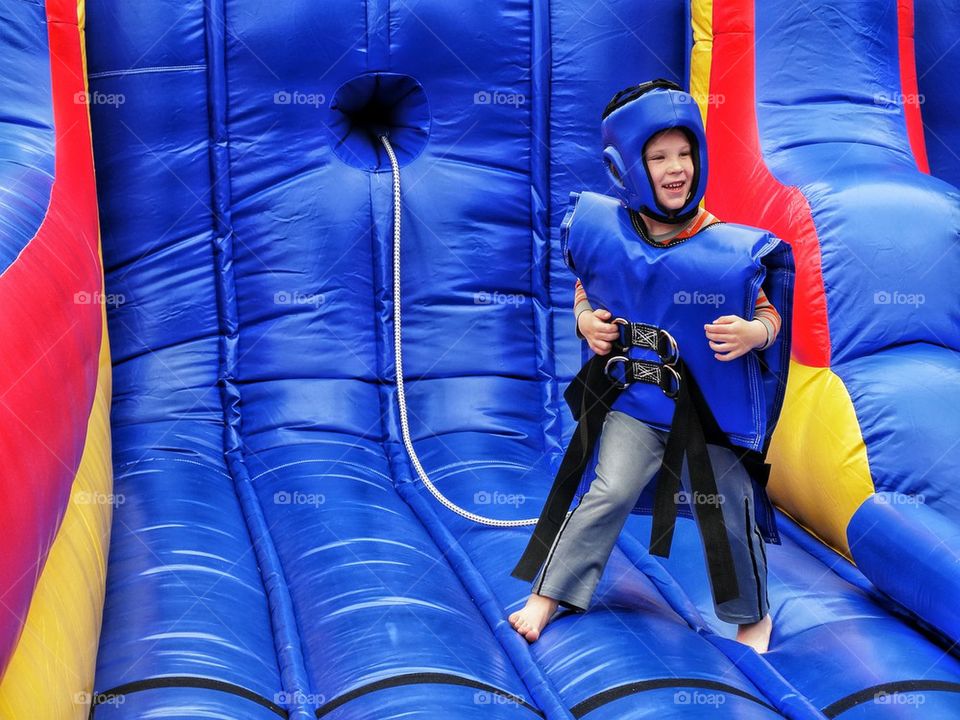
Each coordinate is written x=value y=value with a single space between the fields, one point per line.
x=373 y=104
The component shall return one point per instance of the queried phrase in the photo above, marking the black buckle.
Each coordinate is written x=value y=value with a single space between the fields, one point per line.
x=663 y=375
x=648 y=337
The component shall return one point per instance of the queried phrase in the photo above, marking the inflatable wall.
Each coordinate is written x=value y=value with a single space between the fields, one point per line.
x=56 y=474
x=338 y=362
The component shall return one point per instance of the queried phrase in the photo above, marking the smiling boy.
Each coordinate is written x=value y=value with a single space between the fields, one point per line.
x=628 y=252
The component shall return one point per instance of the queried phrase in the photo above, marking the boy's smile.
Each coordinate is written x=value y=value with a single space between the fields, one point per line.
x=669 y=161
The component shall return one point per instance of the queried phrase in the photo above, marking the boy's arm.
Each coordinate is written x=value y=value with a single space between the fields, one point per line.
x=764 y=312
x=580 y=303
x=731 y=336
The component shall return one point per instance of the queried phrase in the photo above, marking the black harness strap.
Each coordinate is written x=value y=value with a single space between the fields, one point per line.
x=589 y=396
x=663 y=375
x=687 y=438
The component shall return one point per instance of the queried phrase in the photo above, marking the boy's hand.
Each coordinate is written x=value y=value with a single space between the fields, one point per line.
x=598 y=331
x=731 y=336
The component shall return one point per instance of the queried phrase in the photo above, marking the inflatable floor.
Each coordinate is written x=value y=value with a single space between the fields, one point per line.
x=282 y=400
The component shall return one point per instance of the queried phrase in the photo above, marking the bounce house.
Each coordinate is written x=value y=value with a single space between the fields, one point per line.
x=287 y=329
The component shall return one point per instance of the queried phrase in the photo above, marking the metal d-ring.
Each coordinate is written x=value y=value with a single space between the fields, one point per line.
x=669 y=381
x=624 y=322
x=606 y=370
x=667 y=348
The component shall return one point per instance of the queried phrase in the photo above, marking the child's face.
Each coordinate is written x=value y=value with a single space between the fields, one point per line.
x=670 y=162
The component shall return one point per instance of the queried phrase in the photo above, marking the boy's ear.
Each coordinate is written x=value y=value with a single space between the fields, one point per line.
x=616 y=169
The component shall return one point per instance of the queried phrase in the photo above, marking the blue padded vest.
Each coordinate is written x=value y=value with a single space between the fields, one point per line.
x=681 y=287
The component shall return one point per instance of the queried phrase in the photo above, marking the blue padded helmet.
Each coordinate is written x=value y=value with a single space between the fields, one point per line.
x=628 y=122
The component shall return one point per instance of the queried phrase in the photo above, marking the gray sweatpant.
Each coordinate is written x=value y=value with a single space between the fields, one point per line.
x=629 y=457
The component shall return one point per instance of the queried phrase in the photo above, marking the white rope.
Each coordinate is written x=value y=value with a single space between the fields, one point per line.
x=398 y=350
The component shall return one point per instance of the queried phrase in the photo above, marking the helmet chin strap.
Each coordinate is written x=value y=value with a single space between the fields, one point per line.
x=670 y=217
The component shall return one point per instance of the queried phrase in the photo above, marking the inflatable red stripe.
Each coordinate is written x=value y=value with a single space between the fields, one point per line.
x=50 y=322
x=908 y=84
x=742 y=189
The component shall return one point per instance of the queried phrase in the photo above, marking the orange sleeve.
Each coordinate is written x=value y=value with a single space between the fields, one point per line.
x=766 y=313
x=579 y=294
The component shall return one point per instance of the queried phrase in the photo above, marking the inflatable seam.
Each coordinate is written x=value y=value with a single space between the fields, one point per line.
x=144 y=71
x=293 y=677
x=540 y=211
x=539 y=686
x=782 y=694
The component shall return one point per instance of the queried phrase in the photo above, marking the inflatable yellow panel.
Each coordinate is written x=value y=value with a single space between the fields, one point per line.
x=820 y=474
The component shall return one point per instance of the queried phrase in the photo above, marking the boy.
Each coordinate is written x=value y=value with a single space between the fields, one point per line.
x=661 y=195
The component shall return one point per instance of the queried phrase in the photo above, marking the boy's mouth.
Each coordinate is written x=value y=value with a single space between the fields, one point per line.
x=674 y=186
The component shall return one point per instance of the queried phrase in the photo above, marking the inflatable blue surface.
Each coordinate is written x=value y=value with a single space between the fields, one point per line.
x=279 y=553
x=26 y=133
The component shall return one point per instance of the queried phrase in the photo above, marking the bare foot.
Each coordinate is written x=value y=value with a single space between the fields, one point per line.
x=530 y=620
x=756 y=635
